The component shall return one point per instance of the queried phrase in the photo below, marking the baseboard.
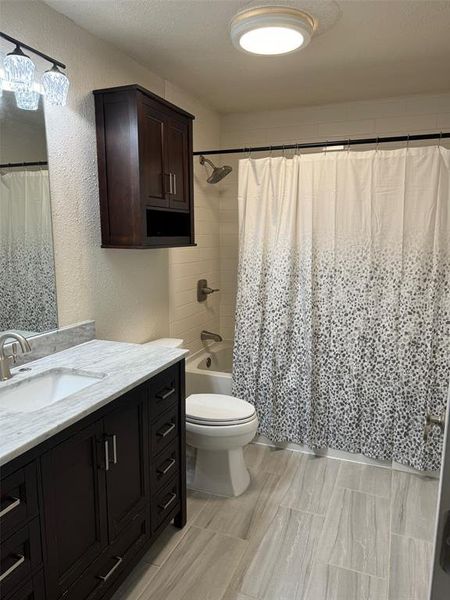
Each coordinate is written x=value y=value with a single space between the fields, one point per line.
x=342 y=455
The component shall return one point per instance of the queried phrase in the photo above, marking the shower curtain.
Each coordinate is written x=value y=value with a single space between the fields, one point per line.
x=27 y=277
x=343 y=304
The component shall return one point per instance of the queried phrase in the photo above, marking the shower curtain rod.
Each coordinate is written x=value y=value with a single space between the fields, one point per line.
x=24 y=164
x=329 y=144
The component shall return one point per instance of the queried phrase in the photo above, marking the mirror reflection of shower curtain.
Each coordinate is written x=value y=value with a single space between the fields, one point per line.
x=27 y=294
x=343 y=304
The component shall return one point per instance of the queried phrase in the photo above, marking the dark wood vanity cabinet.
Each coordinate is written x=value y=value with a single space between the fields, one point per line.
x=92 y=499
x=144 y=147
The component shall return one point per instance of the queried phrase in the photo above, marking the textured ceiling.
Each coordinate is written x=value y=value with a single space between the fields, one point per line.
x=364 y=49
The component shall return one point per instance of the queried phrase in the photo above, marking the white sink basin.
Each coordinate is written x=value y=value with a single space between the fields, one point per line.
x=38 y=391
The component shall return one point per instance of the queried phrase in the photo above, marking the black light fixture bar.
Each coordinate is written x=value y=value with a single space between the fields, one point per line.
x=31 y=49
x=330 y=144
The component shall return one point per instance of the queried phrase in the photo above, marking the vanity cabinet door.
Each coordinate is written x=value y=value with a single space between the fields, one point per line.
x=73 y=480
x=126 y=433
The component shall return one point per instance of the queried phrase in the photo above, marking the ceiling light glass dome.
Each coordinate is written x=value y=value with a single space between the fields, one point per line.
x=271 y=30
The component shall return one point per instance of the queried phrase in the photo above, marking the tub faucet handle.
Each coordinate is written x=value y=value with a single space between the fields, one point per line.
x=203 y=290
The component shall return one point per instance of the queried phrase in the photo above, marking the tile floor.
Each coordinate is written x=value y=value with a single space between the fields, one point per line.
x=307 y=529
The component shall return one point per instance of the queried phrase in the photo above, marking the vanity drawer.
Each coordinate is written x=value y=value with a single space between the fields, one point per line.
x=34 y=589
x=164 y=430
x=108 y=567
x=164 y=466
x=18 y=499
x=164 y=502
x=164 y=390
x=20 y=554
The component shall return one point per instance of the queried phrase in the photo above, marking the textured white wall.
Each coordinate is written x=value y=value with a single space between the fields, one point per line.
x=125 y=291
x=413 y=114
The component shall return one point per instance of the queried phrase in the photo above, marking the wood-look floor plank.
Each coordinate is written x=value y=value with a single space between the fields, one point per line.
x=248 y=515
x=356 y=532
x=136 y=582
x=312 y=485
x=328 y=582
x=200 y=567
x=410 y=568
x=270 y=459
x=171 y=536
x=365 y=478
x=414 y=501
x=279 y=566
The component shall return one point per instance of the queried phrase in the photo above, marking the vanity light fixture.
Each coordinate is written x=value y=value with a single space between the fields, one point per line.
x=56 y=86
x=19 y=72
x=272 y=30
x=19 y=69
x=27 y=99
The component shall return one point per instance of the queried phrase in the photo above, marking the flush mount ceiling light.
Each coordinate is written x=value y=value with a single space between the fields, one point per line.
x=272 y=30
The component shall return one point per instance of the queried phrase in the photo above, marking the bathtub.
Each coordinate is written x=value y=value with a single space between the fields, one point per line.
x=209 y=371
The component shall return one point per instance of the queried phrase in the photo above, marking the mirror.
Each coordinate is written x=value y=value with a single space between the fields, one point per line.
x=27 y=269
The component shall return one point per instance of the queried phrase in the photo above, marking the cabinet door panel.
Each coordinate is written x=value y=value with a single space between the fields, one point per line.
x=126 y=480
x=73 y=480
x=152 y=157
x=177 y=143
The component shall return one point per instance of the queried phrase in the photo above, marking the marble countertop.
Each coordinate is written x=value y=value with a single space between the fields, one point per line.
x=123 y=365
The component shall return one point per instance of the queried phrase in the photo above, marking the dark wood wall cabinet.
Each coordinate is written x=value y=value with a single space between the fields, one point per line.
x=79 y=510
x=144 y=147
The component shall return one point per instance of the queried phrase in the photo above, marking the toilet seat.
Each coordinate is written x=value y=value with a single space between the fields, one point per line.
x=218 y=410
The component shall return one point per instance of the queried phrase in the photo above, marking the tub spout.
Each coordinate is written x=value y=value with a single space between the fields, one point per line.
x=208 y=335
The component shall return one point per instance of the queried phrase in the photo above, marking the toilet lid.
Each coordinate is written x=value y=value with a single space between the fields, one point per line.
x=218 y=409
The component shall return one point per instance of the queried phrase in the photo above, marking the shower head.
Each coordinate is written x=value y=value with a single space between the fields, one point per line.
x=218 y=173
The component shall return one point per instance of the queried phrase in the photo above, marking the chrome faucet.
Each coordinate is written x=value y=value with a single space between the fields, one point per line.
x=5 y=370
x=208 y=335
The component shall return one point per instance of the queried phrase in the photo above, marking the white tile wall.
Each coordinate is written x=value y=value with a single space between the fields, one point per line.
x=390 y=116
x=187 y=317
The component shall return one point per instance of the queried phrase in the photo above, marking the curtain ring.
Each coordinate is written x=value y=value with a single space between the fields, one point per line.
x=348 y=145
x=271 y=151
x=378 y=144
x=249 y=152
x=440 y=139
x=325 y=147
x=407 y=142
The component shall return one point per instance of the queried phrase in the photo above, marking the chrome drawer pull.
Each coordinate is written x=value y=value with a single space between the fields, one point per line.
x=166 y=432
x=166 y=395
x=111 y=571
x=114 y=441
x=14 y=503
x=106 y=455
x=166 y=469
x=21 y=559
x=168 y=503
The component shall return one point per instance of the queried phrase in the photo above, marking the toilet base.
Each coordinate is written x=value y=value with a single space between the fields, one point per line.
x=221 y=472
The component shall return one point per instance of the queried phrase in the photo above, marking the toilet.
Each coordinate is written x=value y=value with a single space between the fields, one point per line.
x=218 y=426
